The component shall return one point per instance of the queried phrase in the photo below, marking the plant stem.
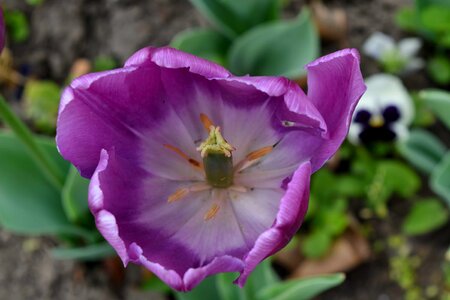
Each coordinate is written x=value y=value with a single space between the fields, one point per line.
x=48 y=167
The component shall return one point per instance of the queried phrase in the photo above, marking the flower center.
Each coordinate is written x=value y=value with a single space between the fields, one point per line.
x=217 y=166
x=217 y=159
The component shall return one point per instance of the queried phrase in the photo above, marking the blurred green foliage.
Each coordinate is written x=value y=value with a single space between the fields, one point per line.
x=250 y=38
x=17 y=25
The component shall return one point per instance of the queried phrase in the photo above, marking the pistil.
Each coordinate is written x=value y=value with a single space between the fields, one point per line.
x=217 y=158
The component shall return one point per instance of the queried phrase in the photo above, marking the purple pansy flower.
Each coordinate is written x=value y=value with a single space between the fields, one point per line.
x=195 y=171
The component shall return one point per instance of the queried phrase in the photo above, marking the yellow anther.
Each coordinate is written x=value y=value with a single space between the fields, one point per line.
x=212 y=212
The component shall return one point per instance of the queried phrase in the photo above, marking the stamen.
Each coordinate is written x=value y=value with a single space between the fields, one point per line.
x=178 y=195
x=212 y=212
x=192 y=161
x=183 y=192
x=207 y=123
x=252 y=158
x=259 y=153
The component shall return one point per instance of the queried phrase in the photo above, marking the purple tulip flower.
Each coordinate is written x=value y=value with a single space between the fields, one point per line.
x=195 y=171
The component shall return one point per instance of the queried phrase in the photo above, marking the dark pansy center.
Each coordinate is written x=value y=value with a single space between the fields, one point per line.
x=377 y=127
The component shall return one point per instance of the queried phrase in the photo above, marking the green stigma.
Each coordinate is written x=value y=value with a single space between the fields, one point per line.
x=217 y=159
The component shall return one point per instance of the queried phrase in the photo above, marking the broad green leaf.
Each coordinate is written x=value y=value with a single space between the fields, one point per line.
x=301 y=289
x=75 y=196
x=203 y=42
x=423 y=150
x=276 y=48
x=233 y=17
x=440 y=178
x=421 y=4
x=425 y=216
x=28 y=203
x=41 y=103
x=436 y=18
x=87 y=253
x=439 y=102
x=227 y=290
x=423 y=116
x=17 y=25
x=316 y=244
x=205 y=290
x=439 y=69
x=261 y=277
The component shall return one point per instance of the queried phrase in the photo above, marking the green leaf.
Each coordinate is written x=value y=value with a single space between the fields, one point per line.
x=423 y=150
x=28 y=203
x=438 y=101
x=301 y=289
x=350 y=186
x=440 y=178
x=423 y=117
x=316 y=244
x=276 y=48
x=155 y=284
x=261 y=277
x=235 y=17
x=205 y=290
x=406 y=18
x=425 y=216
x=439 y=69
x=17 y=24
x=35 y=2
x=203 y=42
x=87 y=253
x=436 y=18
x=41 y=103
x=400 y=178
x=104 y=63
x=75 y=195
x=226 y=289
x=391 y=177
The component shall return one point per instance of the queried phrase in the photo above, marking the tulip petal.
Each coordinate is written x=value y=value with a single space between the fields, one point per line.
x=335 y=84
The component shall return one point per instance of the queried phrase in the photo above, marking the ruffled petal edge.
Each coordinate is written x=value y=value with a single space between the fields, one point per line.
x=292 y=210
